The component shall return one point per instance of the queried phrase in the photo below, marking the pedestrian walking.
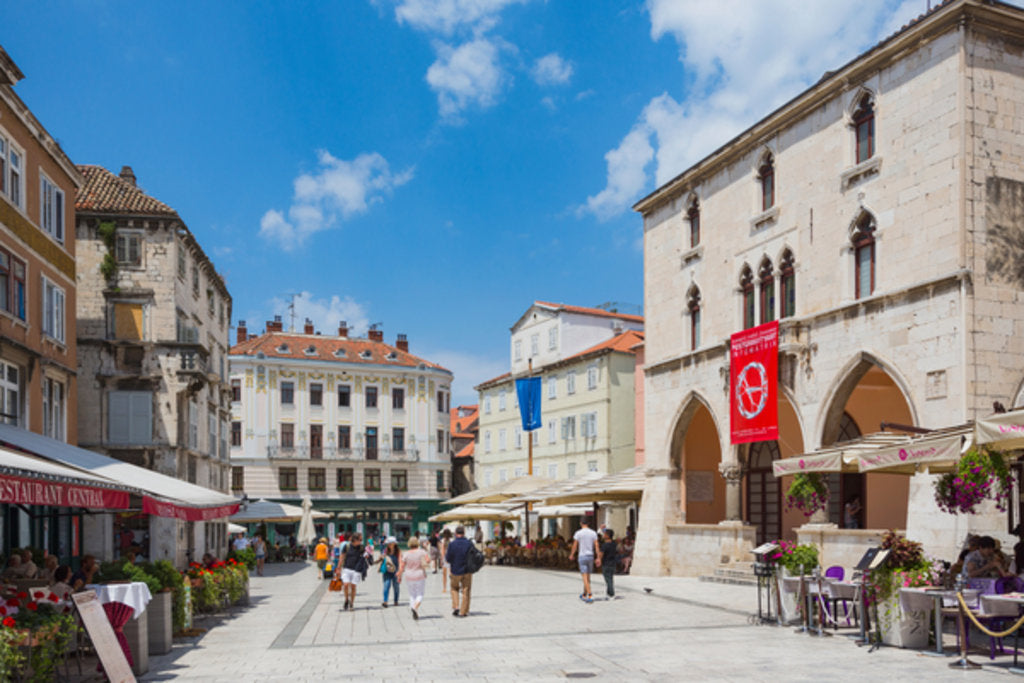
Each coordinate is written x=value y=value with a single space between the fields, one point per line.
x=462 y=580
x=446 y=539
x=320 y=553
x=435 y=552
x=260 y=547
x=584 y=542
x=413 y=569
x=353 y=569
x=389 y=563
x=608 y=561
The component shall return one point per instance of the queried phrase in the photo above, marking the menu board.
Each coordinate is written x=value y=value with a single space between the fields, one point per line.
x=115 y=664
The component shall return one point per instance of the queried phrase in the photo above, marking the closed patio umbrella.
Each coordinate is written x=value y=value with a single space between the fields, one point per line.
x=307 y=534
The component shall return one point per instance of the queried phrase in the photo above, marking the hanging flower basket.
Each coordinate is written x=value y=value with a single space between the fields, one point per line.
x=808 y=493
x=981 y=474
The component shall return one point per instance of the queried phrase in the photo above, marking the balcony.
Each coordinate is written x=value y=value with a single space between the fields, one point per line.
x=275 y=452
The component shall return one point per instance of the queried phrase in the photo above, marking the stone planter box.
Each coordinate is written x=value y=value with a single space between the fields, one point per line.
x=137 y=633
x=159 y=615
x=901 y=628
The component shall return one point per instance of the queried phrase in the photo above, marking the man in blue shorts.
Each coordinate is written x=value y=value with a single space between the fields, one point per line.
x=585 y=541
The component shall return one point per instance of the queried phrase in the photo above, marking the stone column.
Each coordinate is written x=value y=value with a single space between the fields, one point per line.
x=733 y=473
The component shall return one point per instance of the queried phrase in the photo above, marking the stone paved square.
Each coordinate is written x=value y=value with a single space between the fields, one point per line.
x=527 y=624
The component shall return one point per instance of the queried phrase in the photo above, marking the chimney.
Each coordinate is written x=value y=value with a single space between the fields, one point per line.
x=343 y=329
x=308 y=329
x=275 y=325
x=127 y=174
x=243 y=333
x=402 y=343
x=376 y=335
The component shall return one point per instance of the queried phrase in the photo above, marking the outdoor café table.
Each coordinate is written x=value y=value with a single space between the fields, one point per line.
x=991 y=603
x=122 y=601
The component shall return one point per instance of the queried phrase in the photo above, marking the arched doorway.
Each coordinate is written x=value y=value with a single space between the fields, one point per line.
x=703 y=487
x=844 y=486
x=764 y=491
x=867 y=396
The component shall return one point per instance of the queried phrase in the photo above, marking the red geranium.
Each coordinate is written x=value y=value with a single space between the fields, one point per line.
x=22 y=595
x=32 y=606
x=8 y=622
x=12 y=602
x=38 y=595
x=54 y=597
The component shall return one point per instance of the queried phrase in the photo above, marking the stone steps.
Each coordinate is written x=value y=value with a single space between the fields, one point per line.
x=739 y=575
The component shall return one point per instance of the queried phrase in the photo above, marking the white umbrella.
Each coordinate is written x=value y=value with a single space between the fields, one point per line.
x=268 y=511
x=307 y=534
x=236 y=528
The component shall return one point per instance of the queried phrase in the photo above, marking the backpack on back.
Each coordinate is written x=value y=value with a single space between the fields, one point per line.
x=474 y=559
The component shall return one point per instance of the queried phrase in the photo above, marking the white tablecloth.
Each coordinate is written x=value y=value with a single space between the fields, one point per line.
x=135 y=594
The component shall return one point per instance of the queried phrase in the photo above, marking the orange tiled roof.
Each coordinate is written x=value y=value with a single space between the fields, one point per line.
x=105 y=192
x=339 y=349
x=623 y=343
x=467 y=450
x=590 y=311
x=461 y=426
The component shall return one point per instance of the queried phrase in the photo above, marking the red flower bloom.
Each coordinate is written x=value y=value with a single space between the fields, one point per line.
x=38 y=595
x=12 y=602
x=9 y=622
x=22 y=595
x=54 y=597
x=31 y=606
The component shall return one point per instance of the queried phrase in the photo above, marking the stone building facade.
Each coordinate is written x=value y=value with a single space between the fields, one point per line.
x=153 y=349
x=360 y=426
x=465 y=425
x=878 y=216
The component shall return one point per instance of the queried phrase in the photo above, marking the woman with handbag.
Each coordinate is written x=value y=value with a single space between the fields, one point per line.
x=413 y=569
x=352 y=569
x=389 y=569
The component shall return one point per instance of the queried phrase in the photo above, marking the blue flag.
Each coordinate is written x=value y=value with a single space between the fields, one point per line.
x=528 y=391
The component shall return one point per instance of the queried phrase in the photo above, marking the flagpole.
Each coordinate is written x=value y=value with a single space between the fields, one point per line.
x=529 y=459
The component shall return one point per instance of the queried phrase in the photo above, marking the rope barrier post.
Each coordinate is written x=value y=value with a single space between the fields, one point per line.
x=963 y=662
x=821 y=608
x=802 y=600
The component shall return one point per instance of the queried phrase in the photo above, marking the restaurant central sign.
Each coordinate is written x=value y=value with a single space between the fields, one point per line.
x=40 y=492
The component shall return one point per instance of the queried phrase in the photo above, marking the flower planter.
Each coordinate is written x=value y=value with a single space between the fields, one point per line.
x=159 y=615
x=789 y=600
x=902 y=629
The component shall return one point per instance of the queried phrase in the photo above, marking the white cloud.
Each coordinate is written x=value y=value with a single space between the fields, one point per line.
x=466 y=75
x=736 y=75
x=469 y=370
x=337 y=190
x=449 y=16
x=549 y=103
x=325 y=313
x=551 y=70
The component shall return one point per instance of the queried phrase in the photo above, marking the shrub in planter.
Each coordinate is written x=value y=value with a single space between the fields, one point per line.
x=796 y=558
x=246 y=556
x=906 y=567
x=808 y=493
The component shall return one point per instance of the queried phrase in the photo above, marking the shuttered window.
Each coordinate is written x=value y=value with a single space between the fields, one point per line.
x=130 y=417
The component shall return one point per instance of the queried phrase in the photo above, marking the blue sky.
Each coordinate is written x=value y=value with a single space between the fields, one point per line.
x=432 y=165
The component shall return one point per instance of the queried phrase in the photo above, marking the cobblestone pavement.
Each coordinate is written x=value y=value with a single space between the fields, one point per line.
x=525 y=624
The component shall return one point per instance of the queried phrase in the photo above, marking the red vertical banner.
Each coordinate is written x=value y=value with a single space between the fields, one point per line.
x=754 y=384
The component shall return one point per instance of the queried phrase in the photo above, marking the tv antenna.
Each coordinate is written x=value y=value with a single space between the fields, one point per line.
x=291 y=309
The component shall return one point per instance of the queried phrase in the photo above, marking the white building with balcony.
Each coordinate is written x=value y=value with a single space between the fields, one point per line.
x=360 y=426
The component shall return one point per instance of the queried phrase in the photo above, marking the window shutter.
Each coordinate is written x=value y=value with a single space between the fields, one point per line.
x=118 y=419
x=141 y=416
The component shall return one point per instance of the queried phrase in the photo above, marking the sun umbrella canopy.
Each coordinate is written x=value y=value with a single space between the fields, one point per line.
x=236 y=528
x=307 y=534
x=501 y=491
x=556 y=488
x=268 y=511
x=625 y=485
x=1002 y=430
x=466 y=513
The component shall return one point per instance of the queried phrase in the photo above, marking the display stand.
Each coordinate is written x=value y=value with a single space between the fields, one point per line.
x=872 y=559
x=764 y=570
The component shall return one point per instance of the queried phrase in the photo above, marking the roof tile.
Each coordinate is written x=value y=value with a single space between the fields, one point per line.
x=105 y=192
x=339 y=349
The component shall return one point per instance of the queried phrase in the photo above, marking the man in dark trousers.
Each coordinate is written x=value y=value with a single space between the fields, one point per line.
x=462 y=580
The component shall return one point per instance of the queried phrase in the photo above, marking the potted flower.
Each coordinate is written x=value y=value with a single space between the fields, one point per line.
x=980 y=474
x=792 y=560
x=40 y=622
x=808 y=493
x=906 y=567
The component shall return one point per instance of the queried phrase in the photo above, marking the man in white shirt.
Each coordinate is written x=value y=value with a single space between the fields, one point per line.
x=585 y=541
x=241 y=543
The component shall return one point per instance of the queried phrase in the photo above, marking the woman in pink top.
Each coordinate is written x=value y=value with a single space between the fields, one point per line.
x=413 y=569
